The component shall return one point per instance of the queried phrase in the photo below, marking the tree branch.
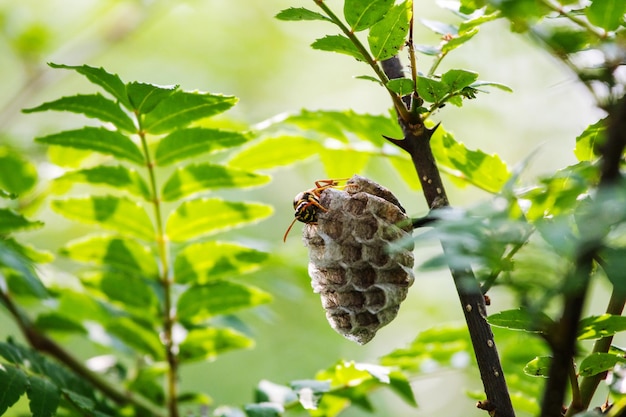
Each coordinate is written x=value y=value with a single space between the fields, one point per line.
x=416 y=142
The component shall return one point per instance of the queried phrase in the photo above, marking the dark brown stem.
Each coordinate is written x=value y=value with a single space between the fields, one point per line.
x=416 y=142
x=564 y=336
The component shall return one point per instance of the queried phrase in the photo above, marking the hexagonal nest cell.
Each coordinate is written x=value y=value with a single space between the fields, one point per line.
x=360 y=274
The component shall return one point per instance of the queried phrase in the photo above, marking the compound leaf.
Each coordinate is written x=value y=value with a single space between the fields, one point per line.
x=194 y=178
x=201 y=302
x=388 y=35
x=187 y=143
x=208 y=216
x=115 y=213
x=208 y=261
x=96 y=139
x=91 y=105
x=208 y=343
x=183 y=107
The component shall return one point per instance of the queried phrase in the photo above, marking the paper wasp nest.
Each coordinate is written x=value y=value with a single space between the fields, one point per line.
x=361 y=279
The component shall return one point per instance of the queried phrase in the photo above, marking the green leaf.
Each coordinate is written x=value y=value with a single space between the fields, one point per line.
x=614 y=266
x=188 y=143
x=11 y=221
x=96 y=139
x=388 y=35
x=598 y=362
x=587 y=143
x=521 y=319
x=128 y=290
x=208 y=216
x=300 y=13
x=457 y=79
x=202 y=302
x=431 y=90
x=117 y=176
x=17 y=175
x=12 y=259
x=116 y=213
x=110 y=82
x=274 y=152
x=400 y=384
x=539 y=367
x=440 y=28
x=484 y=171
x=339 y=44
x=43 y=396
x=477 y=21
x=459 y=40
x=134 y=335
x=82 y=402
x=264 y=410
x=343 y=163
x=206 y=344
x=361 y=15
x=91 y=105
x=184 y=107
x=499 y=86
x=145 y=97
x=13 y=383
x=310 y=392
x=195 y=178
x=597 y=327
x=54 y=322
x=401 y=86
x=207 y=261
x=608 y=14
x=123 y=255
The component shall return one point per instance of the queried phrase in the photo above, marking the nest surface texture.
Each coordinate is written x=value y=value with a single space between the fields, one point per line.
x=361 y=276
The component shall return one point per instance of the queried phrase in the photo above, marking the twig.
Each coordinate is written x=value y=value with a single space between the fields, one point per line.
x=416 y=142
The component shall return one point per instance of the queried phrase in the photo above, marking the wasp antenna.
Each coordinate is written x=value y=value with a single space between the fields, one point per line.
x=289 y=229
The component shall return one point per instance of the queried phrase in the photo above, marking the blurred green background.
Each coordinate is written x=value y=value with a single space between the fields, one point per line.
x=237 y=47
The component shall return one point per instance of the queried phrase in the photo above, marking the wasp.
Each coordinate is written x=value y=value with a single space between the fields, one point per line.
x=307 y=203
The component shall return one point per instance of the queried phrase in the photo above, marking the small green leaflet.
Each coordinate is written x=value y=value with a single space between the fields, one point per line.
x=459 y=40
x=13 y=383
x=11 y=221
x=264 y=410
x=300 y=13
x=608 y=14
x=388 y=35
x=538 y=367
x=598 y=362
x=272 y=152
x=339 y=44
x=109 y=82
x=117 y=176
x=117 y=213
x=207 y=216
x=597 y=327
x=184 y=107
x=43 y=396
x=401 y=86
x=361 y=15
x=91 y=105
x=208 y=343
x=588 y=141
x=187 y=143
x=96 y=139
x=145 y=97
x=17 y=175
x=208 y=261
x=129 y=331
x=130 y=290
x=123 y=255
x=195 y=178
x=457 y=79
x=521 y=319
x=201 y=302
x=431 y=90
x=12 y=258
